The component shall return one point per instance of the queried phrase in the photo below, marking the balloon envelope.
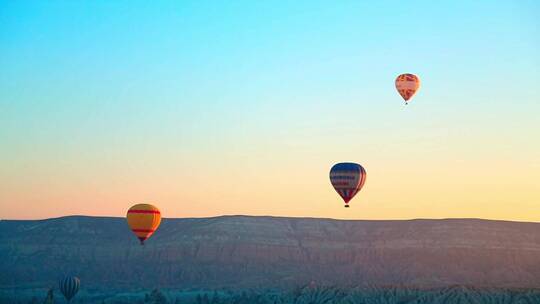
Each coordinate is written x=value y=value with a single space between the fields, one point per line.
x=69 y=287
x=347 y=179
x=143 y=220
x=407 y=85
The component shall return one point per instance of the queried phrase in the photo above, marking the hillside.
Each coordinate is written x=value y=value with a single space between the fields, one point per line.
x=244 y=251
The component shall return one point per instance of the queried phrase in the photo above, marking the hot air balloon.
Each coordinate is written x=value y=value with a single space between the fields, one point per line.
x=347 y=179
x=69 y=287
x=143 y=220
x=407 y=85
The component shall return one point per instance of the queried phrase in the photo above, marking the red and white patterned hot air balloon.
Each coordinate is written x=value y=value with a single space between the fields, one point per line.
x=407 y=85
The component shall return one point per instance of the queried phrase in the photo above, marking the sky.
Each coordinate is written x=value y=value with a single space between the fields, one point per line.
x=208 y=108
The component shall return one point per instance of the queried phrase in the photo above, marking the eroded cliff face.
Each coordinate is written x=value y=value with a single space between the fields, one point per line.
x=241 y=251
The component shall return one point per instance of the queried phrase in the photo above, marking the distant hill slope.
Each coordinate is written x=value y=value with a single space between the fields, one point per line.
x=245 y=251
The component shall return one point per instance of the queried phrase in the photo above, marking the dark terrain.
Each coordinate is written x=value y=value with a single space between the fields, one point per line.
x=242 y=252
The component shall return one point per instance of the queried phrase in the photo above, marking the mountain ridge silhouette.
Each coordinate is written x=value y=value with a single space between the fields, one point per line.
x=267 y=251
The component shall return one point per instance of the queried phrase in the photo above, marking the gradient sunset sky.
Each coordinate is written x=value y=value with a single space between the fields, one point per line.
x=207 y=108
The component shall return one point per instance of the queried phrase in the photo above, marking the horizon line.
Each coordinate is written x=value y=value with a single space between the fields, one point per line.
x=282 y=217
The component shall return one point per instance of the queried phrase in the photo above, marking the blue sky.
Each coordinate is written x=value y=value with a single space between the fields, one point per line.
x=104 y=90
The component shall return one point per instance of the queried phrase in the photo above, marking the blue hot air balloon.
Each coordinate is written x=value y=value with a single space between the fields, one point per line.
x=69 y=287
x=347 y=179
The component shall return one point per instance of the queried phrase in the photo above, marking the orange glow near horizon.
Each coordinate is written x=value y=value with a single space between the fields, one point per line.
x=291 y=182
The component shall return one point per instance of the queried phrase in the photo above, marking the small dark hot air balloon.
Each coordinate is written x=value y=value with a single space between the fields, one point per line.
x=69 y=286
x=347 y=179
x=407 y=85
x=143 y=220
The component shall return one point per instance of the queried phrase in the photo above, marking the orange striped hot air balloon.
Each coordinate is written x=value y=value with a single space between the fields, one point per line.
x=407 y=85
x=143 y=220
